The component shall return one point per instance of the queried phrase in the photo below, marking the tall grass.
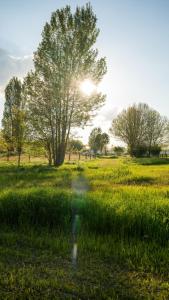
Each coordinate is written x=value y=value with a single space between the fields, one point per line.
x=123 y=209
x=36 y=207
x=138 y=213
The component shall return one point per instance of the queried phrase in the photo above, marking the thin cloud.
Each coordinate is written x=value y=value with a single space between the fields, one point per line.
x=13 y=66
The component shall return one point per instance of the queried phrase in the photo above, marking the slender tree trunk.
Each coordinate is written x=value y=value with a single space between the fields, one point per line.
x=49 y=152
x=149 y=150
x=19 y=158
x=8 y=155
x=50 y=158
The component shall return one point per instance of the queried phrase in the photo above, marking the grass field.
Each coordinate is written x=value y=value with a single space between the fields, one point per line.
x=122 y=207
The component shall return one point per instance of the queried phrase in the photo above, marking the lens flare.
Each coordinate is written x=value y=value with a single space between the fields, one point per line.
x=87 y=87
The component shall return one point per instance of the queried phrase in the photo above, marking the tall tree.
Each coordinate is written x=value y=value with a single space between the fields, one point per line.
x=64 y=58
x=13 y=121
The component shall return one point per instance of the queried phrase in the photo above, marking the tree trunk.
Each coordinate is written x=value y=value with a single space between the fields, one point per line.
x=19 y=158
x=59 y=159
x=49 y=157
x=49 y=152
x=8 y=154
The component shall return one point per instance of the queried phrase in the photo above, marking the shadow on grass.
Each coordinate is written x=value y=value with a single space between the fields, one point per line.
x=38 y=266
x=52 y=208
x=140 y=180
x=31 y=176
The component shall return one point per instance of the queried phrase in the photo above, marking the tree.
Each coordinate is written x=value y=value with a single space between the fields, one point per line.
x=129 y=126
x=64 y=58
x=94 y=139
x=98 y=140
x=118 y=150
x=74 y=145
x=39 y=130
x=3 y=144
x=104 y=141
x=35 y=149
x=156 y=130
x=140 y=127
x=13 y=121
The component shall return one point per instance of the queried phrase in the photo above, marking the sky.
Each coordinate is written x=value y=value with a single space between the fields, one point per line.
x=134 y=38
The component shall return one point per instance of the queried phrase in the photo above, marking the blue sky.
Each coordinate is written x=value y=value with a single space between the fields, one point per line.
x=134 y=37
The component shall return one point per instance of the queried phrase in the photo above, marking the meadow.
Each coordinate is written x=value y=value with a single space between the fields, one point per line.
x=122 y=207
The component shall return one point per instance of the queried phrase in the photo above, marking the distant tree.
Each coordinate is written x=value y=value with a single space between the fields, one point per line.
x=156 y=130
x=13 y=121
x=75 y=145
x=64 y=58
x=139 y=127
x=95 y=139
x=98 y=140
x=35 y=149
x=104 y=142
x=118 y=150
x=129 y=126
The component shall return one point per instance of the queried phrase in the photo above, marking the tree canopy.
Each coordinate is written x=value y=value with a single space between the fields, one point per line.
x=64 y=58
x=98 y=140
x=13 y=121
x=140 y=127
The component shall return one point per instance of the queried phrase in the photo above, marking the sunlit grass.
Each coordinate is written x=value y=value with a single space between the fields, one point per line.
x=124 y=228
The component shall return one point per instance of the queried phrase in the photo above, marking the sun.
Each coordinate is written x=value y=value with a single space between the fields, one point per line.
x=87 y=87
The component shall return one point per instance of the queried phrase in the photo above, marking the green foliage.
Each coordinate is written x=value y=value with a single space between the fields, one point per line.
x=118 y=150
x=34 y=148
x=64 y=59
x=74 y=145
x=3 y=144
x=98 y=140
x=141 y=128
x=13 y=121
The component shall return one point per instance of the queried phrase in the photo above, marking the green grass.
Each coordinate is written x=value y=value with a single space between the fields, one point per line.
x=123 y=208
